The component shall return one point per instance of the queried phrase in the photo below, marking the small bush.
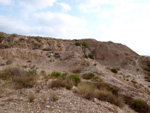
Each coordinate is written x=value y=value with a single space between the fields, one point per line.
x=56 y=74
x=85 y=90
x=47 y=49
x=105 y=95
x=27 y=81
x=97 y=79
x=114 y=70
x=147 y=78
x=43 y=73
x=57 y=83
x=77 y=69
x=54 y=97
x=13 y=35
x=88 y=76
x=8 y=62
x=75 y=78
x=32 y=72
x=11 y=72
x=77 y=43
x=31 y=97
x=140 y=106
x=69 y=83
x=20 y=77
x=91 y=56
x=108 y=87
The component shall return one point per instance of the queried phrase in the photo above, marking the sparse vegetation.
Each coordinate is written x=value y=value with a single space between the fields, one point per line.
x=84 y=46
x=106 y=95
x=90 y=90
x=43 y=73
x=13 y=35
x=8 y=62
x=56 y=74
x=31 y=97
x=77 y=43
x=47 y=49
x=88 y=76
x=86 y=90
x=54 y=97
x=76 y=78
x=11 y=72
x=24 y=81
x=77 y=69
x=114 y=70
x=91 y=56
x=58 y=83
x=140 y=106
x=20 y=77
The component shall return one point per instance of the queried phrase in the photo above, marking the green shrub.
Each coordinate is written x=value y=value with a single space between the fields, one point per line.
x=114 y=70
x=91 y=56
x=88 y=75
x=75 y=78
x=63 y=75
x=8 y=62
x=77 y=43
x=56 y=74
x=140 y=106
x=32 y=72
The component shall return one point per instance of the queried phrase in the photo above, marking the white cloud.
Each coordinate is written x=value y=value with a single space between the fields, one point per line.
x=131 y=29
x=46 y=24
x=94 y=5
x=61 y=25
x=11 y=26
x=66 y=7
x=5 y=2
x=37 y=4
x=104 y=14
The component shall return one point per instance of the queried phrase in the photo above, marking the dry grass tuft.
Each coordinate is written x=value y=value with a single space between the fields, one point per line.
x=20 y=77
x=105 y=95
x=88 y=76
x=31 y=97
x=24 y=81
x=54 y=97
x=58 y=83
x=10 y=72
x=77 y=69
x=85 y=90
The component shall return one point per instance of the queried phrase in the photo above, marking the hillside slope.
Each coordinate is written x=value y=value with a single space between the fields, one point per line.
x=116 y=64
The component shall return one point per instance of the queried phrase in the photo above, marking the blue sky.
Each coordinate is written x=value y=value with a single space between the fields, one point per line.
x=121 y=21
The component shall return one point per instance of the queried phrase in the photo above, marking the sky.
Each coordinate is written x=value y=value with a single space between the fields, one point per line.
x=120 y=21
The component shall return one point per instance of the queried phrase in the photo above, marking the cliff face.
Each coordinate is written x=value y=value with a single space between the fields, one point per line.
x=49 y=54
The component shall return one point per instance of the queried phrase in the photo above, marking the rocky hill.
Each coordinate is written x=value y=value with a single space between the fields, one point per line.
x=48 y=75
